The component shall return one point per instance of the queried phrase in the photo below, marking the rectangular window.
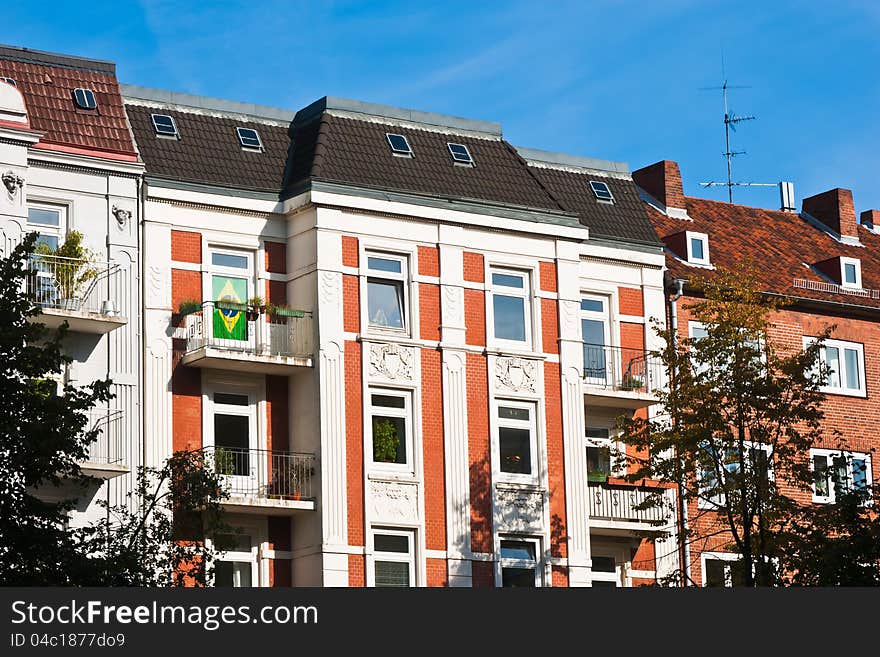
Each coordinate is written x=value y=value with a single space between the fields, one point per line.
x=722 y=570
x=391 y=428
x=520 y=563
x=393 y=558
x=837 y=471
x=48 y=222
x=510 y=305
x=846 y=367
x=596 y=336
x=851 y=272
x=697 y=248
x=236 y=561
x=759 y=458
x=605 y=572
x=517 y=443
x=387 y=292
x=234 y=435
x=601 y=454
x=232 y=285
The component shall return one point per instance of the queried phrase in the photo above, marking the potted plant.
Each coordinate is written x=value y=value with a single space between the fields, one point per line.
x=224 y=461
x=631 y=382
x=73 y=269
x=188 y=306
x=283 y=310
x=256 y=306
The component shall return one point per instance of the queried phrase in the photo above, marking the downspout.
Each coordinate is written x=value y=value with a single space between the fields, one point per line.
x=684 y=555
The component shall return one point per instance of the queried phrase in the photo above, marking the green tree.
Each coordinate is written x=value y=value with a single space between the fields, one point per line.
x=736 y=424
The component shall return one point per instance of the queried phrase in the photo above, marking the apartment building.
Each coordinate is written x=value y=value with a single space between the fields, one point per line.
x=69 y=170
x=826 y=262
x=404 y=341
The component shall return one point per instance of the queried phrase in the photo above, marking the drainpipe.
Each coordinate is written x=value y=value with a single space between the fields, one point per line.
x=684 y=553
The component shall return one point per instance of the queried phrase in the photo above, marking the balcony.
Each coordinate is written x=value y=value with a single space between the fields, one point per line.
x=232 y=336
x=79 y=292
x=265 y=481
x=614 y=508
x=621 y=377
x=106 y=458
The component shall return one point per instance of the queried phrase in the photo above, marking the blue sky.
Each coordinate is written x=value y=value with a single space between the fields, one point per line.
x=614 y=80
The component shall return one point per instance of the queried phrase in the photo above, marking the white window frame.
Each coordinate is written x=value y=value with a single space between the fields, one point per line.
x=609 y=201
x=603 y=316
x=844 y=261
x=249 y=147
x=532 y=425
x=165 y=135
x=407 y=468
x=59 y=232
x=257 y=531
x=726 y=557
x=398 y=557
x=402 y=278
x=841 y=346
x=538 y=564
x=620 y=554
x=718 y=502
x=702 y=237
x=469 y=162
x=830 y=454
x=613 y=443
x=525 y=294
x=397 y=153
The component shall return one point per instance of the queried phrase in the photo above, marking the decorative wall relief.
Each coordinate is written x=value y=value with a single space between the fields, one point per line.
x=392 y=501
x=453 y=305
x=122 y=215
x=516 y=374
x=13 y=182
x=391 y=361
x=519 y=510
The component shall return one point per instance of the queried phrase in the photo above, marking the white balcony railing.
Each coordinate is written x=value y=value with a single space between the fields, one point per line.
x=69 y=284
x=110 y=446
x=620 y=503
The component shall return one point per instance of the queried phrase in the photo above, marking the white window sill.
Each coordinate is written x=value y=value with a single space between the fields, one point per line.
x=403 y=477
x=843 y=392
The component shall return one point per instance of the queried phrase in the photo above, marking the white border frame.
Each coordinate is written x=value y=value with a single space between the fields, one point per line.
x=413 y=558
x=540 y=564
x=719 y=556
x=831 y=498
x=249 y=147
x=689 y=235
x=536 y=453
x=257 y=528
x=858 y=265
x=841 y=345
x=609 y=201
x=408 y=468
x=398 y=153
x=405 y=278
x=465 y=163
x=164 y=135
x=530 y=321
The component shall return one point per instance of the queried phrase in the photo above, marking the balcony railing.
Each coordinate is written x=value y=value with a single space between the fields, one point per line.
x=621 y=368
x=110 y=447
x=72 y=284
x=613 y=502
x=237 y=328
x=264 y=474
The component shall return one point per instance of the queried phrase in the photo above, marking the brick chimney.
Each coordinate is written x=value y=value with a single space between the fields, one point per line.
x=662 y=180
x=835 y=209
x=870 y=218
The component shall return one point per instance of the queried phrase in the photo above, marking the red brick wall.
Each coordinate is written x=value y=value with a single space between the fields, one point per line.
x=559 y=576
x=186 y=246
x=277 y=293
x=357 y=570
x=429 y=261
x=662 y=180
x=429 y=311
x=474 y=270
x=277 y=435
x=436 y=571
x=276 y=257
x=483 y=574
x=631 y=301
x=555 y=459
x=632 y=336
x=549 y=326
x=475 y=318
x=186 y=408
x=185 y=285
x=350 y=255
x=432 y=449
x=478 y=453
x=547 y=271
x=351 y=307
x=280 y=571
x=354 y=436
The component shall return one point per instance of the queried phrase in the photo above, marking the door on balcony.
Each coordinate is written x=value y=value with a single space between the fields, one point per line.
x=235 y=442
x=231 y=287
x=596 y=336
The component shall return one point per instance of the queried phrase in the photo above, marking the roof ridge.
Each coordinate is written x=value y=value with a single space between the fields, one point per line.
x=45 y=58
x=531 y=175
x=132 y=92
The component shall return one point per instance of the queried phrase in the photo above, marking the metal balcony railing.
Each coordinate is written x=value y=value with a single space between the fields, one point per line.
x=237 y=327
x=620 y=503
x=264 y=474
x=109 y=448
x=621 y=368
x=72 y=284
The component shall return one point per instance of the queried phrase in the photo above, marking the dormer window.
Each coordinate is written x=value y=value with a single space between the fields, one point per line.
x=851 y=272
x=602 y=191
x=697 y=248
x=399 y=145
x=85 y=99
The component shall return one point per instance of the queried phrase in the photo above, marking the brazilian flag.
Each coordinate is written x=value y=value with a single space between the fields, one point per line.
x=230 y=322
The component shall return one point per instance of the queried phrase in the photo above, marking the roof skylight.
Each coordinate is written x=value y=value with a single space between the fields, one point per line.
x=399 y=144
x=249 y=138
x=602 y=191
x=460 y=154
x=164 y=125
x=85 y=98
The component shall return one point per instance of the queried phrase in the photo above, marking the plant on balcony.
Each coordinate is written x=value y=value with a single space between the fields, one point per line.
x=256 y=306
x=189 y=306
x=283 y=310
x=597 y=476
x=224 y=461
x=631 y=382
x=74 y=269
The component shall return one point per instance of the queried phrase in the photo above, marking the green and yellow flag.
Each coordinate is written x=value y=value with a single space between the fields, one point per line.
x=229 y=323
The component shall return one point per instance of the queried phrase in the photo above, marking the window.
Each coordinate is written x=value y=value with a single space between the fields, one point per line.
x=601 y=454
x=391 y=428
x=722 y=569
x=48 y=222
x=249 y=138
x=399 y=145
x=602 y=191
x=711 y=491
x=9 y=81
x=234 y=435
x=236 y=565
x=605 y=571
x=520 y=563
x=387 y=292
x=164 y=125
x=697 y=248
x=460 y=154
x=85 y=99
x=836 y=472
x=846 y=367
x=851 y=272
x=596 y=335
x=231 y=287
x=393 y=558
x=517 y=443
x=511 y=294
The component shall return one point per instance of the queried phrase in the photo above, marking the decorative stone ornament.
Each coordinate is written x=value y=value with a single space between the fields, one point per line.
x=515 y=374
x=519 y=510
x=394 y=502
x=13 y=182
x=122 y=215
x=391 y=361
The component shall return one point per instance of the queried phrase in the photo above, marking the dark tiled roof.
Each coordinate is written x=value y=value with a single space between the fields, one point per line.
x=208 y=150
x=625 y=218
x=780 y=244
x=355 y=152
x=47 y=82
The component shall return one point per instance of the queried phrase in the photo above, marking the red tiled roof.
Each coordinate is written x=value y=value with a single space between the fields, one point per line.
x=48 y=94
x=781 y=245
